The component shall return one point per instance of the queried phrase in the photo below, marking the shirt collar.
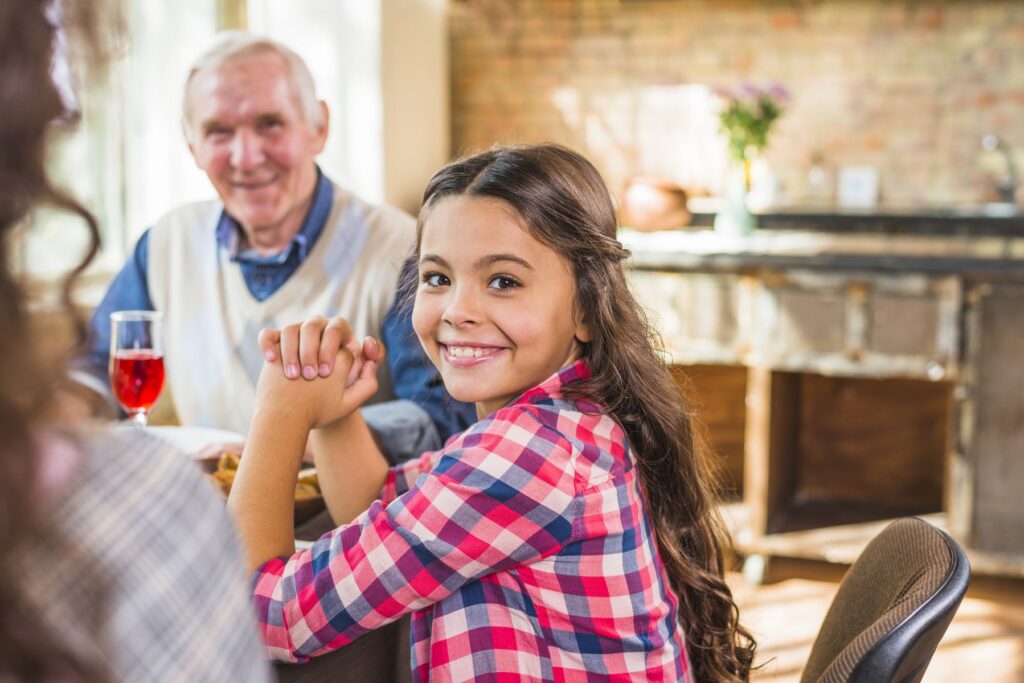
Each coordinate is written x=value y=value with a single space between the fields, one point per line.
x=552 y=387
x=229 y=232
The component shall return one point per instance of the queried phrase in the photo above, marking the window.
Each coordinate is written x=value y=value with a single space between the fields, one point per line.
x=381 y=69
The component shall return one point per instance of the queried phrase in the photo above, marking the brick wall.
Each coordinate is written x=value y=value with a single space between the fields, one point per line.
x=908 y=87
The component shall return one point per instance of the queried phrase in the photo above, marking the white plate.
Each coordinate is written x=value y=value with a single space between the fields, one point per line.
x=193 y=439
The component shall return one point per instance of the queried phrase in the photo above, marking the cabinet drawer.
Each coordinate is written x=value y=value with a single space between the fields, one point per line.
x=701 y=317
x=842 y=324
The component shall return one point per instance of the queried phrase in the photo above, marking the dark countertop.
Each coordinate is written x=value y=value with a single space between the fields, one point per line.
x=998 y=220
x=984 y=256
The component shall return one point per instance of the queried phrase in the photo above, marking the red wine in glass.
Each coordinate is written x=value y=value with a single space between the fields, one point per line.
x=137 y=378
x=136 y=361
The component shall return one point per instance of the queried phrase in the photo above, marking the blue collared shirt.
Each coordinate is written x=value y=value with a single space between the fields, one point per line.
x=413 y=376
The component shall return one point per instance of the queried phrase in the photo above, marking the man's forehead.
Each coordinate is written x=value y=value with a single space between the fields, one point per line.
x=243 y=84
x=264 y=71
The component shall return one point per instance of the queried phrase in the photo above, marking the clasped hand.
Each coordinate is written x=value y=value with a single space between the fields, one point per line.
x=316 y=371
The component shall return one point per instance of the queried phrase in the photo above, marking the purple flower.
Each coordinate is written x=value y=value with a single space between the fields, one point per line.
x=748 y=91
x=777 y=92
x=748 y=113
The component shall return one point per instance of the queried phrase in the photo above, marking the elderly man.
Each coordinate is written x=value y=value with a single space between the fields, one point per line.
x=281 y=244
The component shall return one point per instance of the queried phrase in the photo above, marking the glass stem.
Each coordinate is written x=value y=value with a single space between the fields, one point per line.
x=139 y=418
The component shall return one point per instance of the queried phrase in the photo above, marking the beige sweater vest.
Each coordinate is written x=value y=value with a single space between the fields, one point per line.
x=211 y=321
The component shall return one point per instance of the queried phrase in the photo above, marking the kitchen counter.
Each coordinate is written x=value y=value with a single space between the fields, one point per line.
x=995 y=219
x=705 y=250
x=851 y=377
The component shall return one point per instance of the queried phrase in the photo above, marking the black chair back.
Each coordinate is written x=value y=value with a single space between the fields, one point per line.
x=892 y=608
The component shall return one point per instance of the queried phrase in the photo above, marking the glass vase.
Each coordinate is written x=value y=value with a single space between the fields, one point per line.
x=734 y=217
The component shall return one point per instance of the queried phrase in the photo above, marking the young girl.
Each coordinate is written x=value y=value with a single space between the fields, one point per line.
x=570 y=533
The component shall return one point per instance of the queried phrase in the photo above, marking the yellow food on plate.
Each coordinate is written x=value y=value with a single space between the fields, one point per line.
x=223 y=475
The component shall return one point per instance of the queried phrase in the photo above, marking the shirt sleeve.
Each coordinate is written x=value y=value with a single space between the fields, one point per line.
x=414 y=377
x=500 y=496
x=129 y=291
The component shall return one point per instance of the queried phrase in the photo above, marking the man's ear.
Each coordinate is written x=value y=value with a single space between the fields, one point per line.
x=325 y=126
x=188 y=143
x=195 y=159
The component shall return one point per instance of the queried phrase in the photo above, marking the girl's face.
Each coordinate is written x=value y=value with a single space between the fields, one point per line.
x=495 y=308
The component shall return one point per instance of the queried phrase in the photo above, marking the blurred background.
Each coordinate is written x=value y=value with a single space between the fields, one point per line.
x=861 y=348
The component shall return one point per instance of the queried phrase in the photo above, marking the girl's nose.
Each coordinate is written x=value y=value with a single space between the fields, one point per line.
x=462 y=307
x=246 y=150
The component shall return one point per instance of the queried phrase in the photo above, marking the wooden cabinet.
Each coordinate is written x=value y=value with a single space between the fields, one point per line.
x=987 y=496
x=865 y=396
x=850 y=324
x=855 y=324
x=702 y=317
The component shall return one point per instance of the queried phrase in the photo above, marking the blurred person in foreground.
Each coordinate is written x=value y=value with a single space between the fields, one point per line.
x=282 y=243
x=119 y=562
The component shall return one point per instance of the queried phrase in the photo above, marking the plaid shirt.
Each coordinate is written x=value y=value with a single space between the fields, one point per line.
x=140 y=573
x=523 y=548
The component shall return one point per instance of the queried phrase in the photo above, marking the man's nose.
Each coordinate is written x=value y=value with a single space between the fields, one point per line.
x=246 y=150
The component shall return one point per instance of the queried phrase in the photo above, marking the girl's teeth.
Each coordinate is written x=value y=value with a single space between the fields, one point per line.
x=466 y=351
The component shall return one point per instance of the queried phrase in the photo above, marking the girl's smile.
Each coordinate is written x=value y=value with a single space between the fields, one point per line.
x=464 y=355
x=495 y=309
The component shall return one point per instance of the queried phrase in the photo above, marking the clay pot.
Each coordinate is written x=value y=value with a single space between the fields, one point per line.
x=649 y=204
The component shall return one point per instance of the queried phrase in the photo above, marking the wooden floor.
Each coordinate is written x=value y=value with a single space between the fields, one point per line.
x=985 y=642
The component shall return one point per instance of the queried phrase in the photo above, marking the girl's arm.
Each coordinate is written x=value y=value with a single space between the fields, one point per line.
x=262 y=498
x=263 y=494
x=483 y=508
x=349 y=465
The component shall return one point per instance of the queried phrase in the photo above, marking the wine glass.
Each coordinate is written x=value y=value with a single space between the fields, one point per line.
x=137 y=361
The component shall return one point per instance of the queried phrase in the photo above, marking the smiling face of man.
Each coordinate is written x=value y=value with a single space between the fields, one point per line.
x=248 y=133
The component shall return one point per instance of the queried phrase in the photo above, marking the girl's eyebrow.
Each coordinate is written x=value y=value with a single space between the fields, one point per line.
x=495 y=258
x=433 y=258
x=483 y=262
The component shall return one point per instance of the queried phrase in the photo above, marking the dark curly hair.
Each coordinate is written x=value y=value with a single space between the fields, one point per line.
x=31 y=106
x=564 y=204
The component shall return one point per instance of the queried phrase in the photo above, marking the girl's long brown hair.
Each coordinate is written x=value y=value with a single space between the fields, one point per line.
x=30 y=106
x=563 y=202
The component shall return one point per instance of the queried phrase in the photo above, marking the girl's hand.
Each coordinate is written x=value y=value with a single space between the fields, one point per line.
x=308 y=349
x=318 y=402
x=321 y=346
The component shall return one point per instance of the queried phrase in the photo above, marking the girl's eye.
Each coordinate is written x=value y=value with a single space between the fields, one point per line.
x=503 y=282
x=435 y=280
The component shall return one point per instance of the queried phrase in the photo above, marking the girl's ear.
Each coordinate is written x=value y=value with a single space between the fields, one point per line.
x=582 y=331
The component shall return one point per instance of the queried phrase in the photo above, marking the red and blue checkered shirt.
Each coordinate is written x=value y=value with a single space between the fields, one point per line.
x=523 y=549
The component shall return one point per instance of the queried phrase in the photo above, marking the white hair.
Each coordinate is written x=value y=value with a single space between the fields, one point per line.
x=233 y=44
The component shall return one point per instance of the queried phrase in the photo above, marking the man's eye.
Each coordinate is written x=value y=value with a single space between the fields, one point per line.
x=270 y=125
x=503 y=282
x=435 y=280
